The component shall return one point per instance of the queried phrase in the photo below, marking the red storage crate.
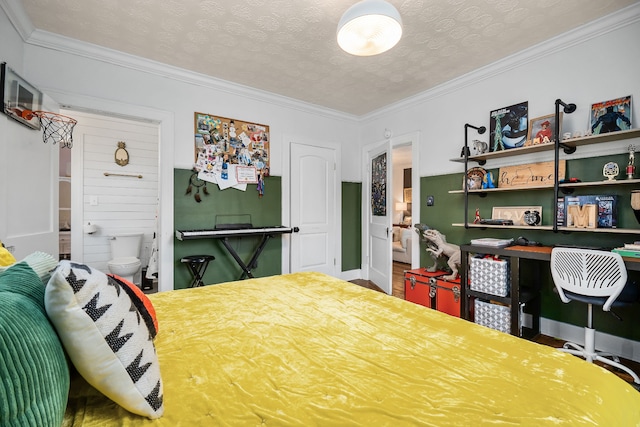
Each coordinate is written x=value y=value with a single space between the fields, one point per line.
x=426 y=288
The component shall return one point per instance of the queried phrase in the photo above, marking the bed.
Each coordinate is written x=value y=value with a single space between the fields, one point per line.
x=309 y=349
x=301 y=349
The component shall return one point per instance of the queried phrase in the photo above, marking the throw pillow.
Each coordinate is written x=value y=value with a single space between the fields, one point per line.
x=34 y=375
x=105 y=336
x=6 y=257
x=141 y=301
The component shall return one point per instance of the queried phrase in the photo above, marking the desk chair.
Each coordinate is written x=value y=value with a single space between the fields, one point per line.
x=592 y=277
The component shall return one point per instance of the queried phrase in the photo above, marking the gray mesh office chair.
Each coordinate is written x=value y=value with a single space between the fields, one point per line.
x=591 y=277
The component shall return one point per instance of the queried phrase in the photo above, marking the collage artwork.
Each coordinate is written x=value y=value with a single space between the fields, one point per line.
x=231 y=153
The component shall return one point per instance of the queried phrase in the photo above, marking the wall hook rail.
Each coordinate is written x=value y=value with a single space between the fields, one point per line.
x=131 y=175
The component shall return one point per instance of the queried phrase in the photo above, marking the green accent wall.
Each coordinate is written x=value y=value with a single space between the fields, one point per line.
x=226 y=205
x=264 y=211
x=449 y=208
x=351 y=225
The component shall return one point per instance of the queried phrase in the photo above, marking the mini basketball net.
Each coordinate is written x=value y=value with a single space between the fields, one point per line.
x=55 y=127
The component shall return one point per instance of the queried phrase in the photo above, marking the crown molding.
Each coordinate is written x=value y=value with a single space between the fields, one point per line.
x=18 y=17
x=35 y=37
x=75 y=47
x=626 y=16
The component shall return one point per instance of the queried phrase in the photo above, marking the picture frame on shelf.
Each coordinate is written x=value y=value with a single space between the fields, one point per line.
x=610 y=116
x=542 y=130
x=508 y=127
x=19 y=97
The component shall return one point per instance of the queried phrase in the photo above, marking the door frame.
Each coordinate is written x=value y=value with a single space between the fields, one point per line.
x=412 y=138
x=166 y=122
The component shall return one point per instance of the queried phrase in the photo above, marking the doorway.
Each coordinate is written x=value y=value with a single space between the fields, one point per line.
x=375 y=257
x=114 y=198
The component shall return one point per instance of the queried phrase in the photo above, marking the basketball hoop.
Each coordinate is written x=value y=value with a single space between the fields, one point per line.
x=55 y=127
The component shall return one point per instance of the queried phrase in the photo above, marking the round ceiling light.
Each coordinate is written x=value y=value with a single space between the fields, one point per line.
x=369 y=27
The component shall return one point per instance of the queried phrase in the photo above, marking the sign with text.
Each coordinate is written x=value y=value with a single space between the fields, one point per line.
x=530 y=175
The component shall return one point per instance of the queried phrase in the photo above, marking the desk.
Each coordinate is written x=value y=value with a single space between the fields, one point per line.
x=265 y=233
x=527 y=295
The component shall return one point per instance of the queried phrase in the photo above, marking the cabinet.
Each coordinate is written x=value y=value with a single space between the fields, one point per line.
x=569 y=146
x=523 y=301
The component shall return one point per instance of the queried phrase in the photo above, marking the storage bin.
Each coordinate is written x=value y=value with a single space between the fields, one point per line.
x=489 y=275
x=494 y=316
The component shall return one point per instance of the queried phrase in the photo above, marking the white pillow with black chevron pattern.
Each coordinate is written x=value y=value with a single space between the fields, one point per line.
x=106 y=337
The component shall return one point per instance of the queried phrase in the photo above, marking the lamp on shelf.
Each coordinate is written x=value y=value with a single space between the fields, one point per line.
x=400 y=206
x=369 y=27
x=465 y=151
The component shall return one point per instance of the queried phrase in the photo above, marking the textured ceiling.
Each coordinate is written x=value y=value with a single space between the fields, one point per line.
x=289 y=47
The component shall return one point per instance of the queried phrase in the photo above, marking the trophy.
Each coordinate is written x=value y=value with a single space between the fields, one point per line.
x=631 y=167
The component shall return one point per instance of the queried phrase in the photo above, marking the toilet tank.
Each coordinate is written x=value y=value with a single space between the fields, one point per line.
x=126 y=245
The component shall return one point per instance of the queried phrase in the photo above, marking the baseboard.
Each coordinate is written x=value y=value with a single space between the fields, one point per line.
x=622 y=347
x=351 y=275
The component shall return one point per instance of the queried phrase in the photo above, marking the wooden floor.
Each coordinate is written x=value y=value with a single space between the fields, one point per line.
x=398 y=291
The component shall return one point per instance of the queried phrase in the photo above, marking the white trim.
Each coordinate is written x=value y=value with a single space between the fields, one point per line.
x=604 y=25
x=623 y=347
x=165 y=120
x=79 y=48
x=18 y=17
x=351 y=275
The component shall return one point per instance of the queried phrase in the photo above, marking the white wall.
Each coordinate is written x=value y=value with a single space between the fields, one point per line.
x=28 y=218
x=120 y=84
x=594 y=63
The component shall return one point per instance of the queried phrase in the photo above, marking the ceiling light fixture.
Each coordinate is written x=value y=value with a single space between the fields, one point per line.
x=369 y=27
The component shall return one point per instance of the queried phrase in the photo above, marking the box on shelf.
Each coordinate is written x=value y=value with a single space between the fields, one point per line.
x=494 y=316
x=489 y=275
x=598 y=211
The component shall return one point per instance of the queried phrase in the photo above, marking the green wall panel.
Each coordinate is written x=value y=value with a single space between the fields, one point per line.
x=189 y=214
x=449 y=208
x=351 y=225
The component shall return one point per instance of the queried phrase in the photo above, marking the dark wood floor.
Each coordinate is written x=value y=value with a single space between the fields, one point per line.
x=398 y=291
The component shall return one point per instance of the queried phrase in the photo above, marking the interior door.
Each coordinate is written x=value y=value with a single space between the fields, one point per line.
x=314 y=209
x=379 y=211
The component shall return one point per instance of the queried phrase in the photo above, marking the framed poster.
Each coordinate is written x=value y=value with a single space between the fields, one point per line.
x=19 y=97
x=610 y=116
x=542 y=129
x=221 y=142
x=508 y=127
x=379 y=185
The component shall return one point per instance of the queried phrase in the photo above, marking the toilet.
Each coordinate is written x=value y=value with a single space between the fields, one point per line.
x=125 y=250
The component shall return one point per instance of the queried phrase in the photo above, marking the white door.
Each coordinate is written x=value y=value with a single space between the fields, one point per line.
x=314 y=209
x=379 y=214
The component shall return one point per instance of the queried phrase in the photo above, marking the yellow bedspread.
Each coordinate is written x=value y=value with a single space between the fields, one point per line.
x=307 y=349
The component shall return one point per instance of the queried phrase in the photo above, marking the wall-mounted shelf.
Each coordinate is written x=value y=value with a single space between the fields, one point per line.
x=550 y=228
x=573 y=143
x=569 y=146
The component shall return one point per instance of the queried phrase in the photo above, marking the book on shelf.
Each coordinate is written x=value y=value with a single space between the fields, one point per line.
x=493 y=242
x=627 y=252
x=635 y=246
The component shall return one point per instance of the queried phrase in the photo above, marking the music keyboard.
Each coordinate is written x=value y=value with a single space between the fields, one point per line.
x=219 y=234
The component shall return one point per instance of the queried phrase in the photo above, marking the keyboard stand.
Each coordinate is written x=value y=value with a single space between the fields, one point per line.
x=253 y=262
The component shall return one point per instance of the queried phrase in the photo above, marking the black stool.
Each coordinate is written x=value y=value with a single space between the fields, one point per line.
x=198 y=265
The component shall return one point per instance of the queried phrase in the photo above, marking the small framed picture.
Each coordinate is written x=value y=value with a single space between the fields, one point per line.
x=19 y=98
x=610 y=116
x=542 y=130
x=407 y=195
x=508 y=127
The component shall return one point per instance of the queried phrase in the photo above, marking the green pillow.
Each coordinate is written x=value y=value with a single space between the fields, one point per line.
x=34 y=375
